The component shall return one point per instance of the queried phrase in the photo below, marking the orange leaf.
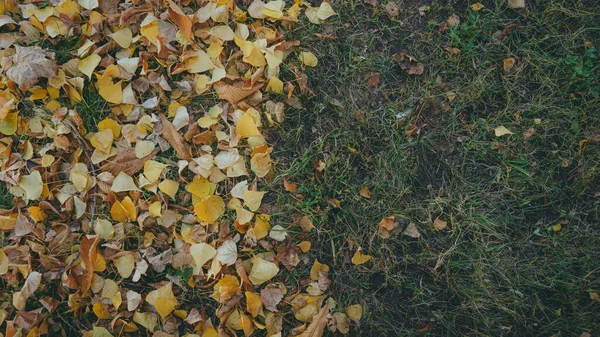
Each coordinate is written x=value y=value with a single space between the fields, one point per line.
x=181 y=20
x=89 y=253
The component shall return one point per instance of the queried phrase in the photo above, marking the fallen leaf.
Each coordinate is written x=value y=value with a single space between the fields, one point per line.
x=181 y=20
x=262 y=270
x=319 y=321
x=365 y=192
x=392 y=9
x=439 y=224
x=354 y=312
x=308 y=59
x=174 y=138
x=412 y=231
x=477 y=6
x=31 y=63
x=304 y=222
x=516 y=3
x=408 y=63
x=529 y=133
x=234 y=94
x=359 y=258
x=289 y=186
x=373 y=79
x=502 y=131
x=453 y=20
x=126 y=161
x=509 y=64
x=89 y=252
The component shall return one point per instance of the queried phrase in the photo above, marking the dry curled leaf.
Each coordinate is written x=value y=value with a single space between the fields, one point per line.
x=408 y=63
x=29 y=64
x=126 y=161
x=174 y=138
x=234 y=94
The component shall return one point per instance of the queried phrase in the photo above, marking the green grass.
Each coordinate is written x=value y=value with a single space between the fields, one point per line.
x=498 y=269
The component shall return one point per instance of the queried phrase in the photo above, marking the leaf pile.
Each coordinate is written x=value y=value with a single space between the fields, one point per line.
x=162 y=198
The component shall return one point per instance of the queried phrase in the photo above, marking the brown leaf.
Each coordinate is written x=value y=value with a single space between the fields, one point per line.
x=392 y=9
x=439 y=224
x=289 y=186
x=271 y=296
x=304 y=222
x=529 y=133
x=509 y=63
x=412 y=231
x=181 y=20
x=372 y=79
x=234 y=94
x=89 y=252
x=408 y=63
x=174 y=138
x=365 y=192
x=29 y=64
x=316 y=327
x=126 y=161
x=239 y=268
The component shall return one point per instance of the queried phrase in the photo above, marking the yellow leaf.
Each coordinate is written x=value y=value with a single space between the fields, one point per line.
x=202 y=253
x=111 y=92
x=199 y=187
x=304 y=246
x=477 y=6
x=8 y=125
x=102 y=140
x=198 y=62
x=325 y=11
x=80 y=177
x=308 y=59
x=275 y=85
x=501 y=131
x=155 y=209
x=152 y=170
x=122 y=37
x=253 y=303
x=273 y=9
x=262 y=270
x=37 y=214
x=210 y=209
x=359 y=258
x=118 y=212
x=89 y=64
x=3 y=262
x=125 y=265
x=104 y=229
x=32 y=184
x=123 y=183
x=252 y=199
x=354 y=312
x=146 y=319
x=169 y=187
x=101 y=310
x=164 y=306
x=111 y=124
x=246 y=126
x=316 y=268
